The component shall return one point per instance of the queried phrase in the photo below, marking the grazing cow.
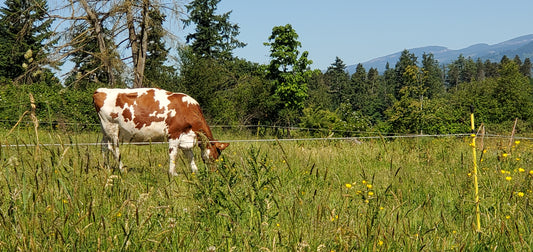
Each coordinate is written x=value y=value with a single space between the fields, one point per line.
x=151 y=114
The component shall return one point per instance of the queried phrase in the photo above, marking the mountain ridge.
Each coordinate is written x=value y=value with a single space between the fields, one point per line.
x=521 y=46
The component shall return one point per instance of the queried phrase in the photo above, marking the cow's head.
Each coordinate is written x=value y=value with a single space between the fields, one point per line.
x=212 y=151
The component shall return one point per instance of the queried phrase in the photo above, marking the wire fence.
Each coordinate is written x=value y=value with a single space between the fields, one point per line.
x=354 y=139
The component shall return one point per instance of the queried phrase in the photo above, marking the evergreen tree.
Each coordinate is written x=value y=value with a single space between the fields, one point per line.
x=406 y=60
x=525 y=68
x=156 y=73
x=480 y=70
x=214 y=36
x=338 y=81
x=432 y=76
x=491 y=69
x=24 y=31
x=376 y=96
x=358 y=91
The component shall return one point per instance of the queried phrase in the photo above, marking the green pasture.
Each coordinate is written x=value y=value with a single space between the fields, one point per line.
x=402 y=194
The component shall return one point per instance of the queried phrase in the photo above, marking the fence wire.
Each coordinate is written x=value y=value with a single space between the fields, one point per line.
x=281 y=140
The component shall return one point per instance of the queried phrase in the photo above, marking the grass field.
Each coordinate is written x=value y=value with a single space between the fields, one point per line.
x=380 y=194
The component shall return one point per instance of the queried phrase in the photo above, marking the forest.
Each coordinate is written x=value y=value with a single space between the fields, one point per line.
x=125 y=44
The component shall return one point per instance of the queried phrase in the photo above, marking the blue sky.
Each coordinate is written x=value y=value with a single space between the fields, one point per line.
x=357 y=31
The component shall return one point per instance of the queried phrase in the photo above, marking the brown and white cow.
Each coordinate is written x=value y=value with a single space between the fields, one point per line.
x=151 y=114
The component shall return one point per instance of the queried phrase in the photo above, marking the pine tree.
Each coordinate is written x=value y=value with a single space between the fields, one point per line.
x=432 y=76
x=214 y=36
x=156 y=73
x=338 y=81
x=407 y=60
x=525 y=68
x=24 y=31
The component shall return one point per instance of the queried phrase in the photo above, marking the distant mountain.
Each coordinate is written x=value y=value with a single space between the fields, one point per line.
x=521 y=46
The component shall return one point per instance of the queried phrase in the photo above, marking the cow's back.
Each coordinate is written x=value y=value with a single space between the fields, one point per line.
x=148 y=114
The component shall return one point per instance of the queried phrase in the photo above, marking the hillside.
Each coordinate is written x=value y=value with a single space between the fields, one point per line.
x=521 y=46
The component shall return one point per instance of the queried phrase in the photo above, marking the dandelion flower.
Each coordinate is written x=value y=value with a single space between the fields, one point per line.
x=505 y=155
x=521 y=170
x=369 y=186
x=517 y=142
x=507 y=217
x=119 y=214
x=364 y=182
x=531 y=172
x=508 y=178
x=520 y=194
x=370 y=193
x=380 y=243
x=348 y=186
x=503 y=171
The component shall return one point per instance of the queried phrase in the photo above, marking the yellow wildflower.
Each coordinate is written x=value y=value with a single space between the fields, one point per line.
x=348 y=186
x=507 y=217
x=369 y=186
x=505 y=155
x=517 y=142
x=508 y=178
x=521 y=170
x=370 y=193
x=520 y=194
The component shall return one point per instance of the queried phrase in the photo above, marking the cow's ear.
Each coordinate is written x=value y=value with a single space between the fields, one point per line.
x=221 y=146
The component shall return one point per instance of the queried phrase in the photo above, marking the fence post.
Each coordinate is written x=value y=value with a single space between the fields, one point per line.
x=476 y=187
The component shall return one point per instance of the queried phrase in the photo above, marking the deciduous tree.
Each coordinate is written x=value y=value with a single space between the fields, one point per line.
x=289 y=70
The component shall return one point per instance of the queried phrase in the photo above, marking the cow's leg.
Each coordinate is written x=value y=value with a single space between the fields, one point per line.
x=172 y=152
x=190 y=158
x=106 y=147
x=186 y=143
x=112 y=141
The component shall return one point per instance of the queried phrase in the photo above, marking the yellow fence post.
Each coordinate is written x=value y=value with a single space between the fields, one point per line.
x=476 y=187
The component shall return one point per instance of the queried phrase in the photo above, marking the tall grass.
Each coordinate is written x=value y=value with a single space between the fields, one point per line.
x=403 y=194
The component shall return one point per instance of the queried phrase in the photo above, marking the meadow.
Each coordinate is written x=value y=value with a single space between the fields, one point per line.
x=375 y=194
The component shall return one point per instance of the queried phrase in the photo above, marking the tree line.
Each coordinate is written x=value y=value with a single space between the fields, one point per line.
x=125 y=44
